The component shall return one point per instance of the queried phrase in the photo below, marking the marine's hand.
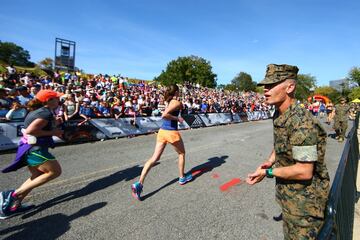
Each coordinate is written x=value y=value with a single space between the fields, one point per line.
x=266 y=165
x=256 y=177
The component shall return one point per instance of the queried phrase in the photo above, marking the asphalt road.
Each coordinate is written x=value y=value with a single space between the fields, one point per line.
x=92 y=199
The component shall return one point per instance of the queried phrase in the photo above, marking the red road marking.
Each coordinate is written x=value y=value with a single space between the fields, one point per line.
x=229 y=184
x=215 y=175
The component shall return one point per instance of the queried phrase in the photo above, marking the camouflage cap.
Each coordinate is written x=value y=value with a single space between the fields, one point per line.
x=277 y=73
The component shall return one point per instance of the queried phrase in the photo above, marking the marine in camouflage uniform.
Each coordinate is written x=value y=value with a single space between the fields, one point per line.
x=341 y=119
x=298 y=136
x=297 y=160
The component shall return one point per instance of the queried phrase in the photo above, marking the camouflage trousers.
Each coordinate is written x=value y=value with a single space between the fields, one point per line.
x=340 y=128
x=301 y=227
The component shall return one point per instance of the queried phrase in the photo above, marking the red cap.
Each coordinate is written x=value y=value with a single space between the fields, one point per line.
x=45 y=95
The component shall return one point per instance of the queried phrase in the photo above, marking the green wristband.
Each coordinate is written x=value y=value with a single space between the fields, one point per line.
x=269 y=173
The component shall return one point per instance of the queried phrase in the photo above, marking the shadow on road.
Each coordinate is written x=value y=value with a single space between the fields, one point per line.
x=99 y=184
x=197 y=171
x=49 y=227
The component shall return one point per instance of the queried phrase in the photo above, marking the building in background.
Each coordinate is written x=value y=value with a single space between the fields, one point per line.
x=340 y=84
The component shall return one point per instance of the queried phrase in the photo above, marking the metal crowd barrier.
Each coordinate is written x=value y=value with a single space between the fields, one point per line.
x=341 y=204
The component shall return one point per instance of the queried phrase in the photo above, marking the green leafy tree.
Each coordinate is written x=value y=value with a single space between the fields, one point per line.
x=46 y=63
x=230 y=87
x=304 y=87
x=329 y=92
x=190 y=69
x=355 y=93
x=221 y=86
x=260 y=89
x=11 y=53
x=243 y=81
x=354 y=75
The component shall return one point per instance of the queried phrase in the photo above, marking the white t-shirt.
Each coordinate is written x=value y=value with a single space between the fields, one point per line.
x=11 y=70
x=26 y=80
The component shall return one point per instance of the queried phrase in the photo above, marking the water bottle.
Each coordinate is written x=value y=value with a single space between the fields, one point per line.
x=30 y=138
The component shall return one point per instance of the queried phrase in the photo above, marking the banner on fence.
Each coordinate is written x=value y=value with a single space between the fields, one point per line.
x=122 y=127
x=226 y=117
x=101 y=128
x=111 y=127
x=183 y=125
x=252 y=116
x=194 y=121
x=236 y=118
x=10 y=134
x=131 y=127
x=81 y=131
x=243 y=116
x=211 y=119
x=257 y=115
x=157 y=120
x=147 y=125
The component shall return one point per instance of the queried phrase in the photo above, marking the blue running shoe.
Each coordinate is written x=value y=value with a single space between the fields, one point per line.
x=6 y=201
x=136 y=189
x=19 y=209
x=187 y=178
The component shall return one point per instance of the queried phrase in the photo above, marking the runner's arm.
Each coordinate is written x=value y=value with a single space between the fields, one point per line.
x=35 y=129
x=173 y=106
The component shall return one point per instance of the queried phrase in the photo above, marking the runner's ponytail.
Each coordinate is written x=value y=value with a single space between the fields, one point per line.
x=34 y=104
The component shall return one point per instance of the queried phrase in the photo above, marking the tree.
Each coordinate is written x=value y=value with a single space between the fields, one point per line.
x=11 y=53
x=260 y=89
x=244 y=82
x=304 y=87
x=221 y=86
x=230 y=87
x=190 y=69
x=354 y=75
x=46 y=63
x=329 y=92
x=355 y=93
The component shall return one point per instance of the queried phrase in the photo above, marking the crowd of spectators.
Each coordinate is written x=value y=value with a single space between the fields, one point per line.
x=114 y=96
x=321 y=109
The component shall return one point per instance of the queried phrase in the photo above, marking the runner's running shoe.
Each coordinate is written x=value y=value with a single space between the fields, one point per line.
x=18 y=210
x=6 y=201
x=136 y=189
x=187 y=178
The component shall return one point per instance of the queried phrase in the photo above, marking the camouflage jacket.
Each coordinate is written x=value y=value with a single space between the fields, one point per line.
x=341 y=112
x=298 y=136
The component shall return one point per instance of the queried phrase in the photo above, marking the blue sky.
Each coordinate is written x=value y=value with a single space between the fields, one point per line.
x=138 y=38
